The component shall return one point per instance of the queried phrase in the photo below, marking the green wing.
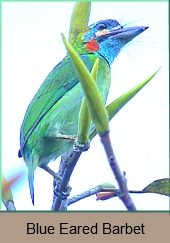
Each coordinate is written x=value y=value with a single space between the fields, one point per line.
x=61 y=79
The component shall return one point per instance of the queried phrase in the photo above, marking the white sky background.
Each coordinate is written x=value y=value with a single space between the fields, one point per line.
x=32 y=46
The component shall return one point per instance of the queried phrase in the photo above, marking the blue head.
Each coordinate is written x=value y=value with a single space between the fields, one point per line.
x=106 y=38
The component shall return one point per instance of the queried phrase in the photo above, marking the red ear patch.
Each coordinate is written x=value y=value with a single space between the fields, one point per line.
x=92 y=45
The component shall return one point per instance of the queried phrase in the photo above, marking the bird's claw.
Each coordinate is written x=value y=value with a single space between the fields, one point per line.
x=78 y=147
x=62 y=195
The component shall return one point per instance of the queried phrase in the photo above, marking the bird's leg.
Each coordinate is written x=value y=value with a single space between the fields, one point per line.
x=61 y=195
x=51 y=172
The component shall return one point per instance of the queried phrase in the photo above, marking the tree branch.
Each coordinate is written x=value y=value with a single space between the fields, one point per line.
x=120 y=178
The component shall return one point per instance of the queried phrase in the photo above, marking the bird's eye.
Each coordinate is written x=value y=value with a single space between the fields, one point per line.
x=101 y=26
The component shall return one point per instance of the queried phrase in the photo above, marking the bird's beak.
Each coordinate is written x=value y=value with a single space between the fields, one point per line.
x=124 y=34
x=128 y=33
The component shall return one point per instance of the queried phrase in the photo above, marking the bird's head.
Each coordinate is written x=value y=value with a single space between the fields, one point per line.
x=106 y=37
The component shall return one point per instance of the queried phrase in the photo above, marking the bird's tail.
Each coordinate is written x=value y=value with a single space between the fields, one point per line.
x=31 y=164
x=31 y=183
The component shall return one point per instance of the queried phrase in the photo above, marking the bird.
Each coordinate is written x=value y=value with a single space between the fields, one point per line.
x=53 y=112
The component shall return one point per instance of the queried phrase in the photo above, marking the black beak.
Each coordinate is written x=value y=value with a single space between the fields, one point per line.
x=126 y=34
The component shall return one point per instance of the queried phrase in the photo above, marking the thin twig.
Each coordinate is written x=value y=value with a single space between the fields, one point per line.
x=120 y=178
x=85 y=194
x=91 y=192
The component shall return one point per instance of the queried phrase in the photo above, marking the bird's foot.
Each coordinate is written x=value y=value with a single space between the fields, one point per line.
x=78 y=147
x=62 y=195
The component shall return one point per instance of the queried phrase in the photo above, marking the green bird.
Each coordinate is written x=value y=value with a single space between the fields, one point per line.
x=53 y=112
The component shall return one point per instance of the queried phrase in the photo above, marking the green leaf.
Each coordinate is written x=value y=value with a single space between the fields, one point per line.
x=84 y=121
x=94 y=101
x=161 y=186
x=79 y=19
x=117 y=104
